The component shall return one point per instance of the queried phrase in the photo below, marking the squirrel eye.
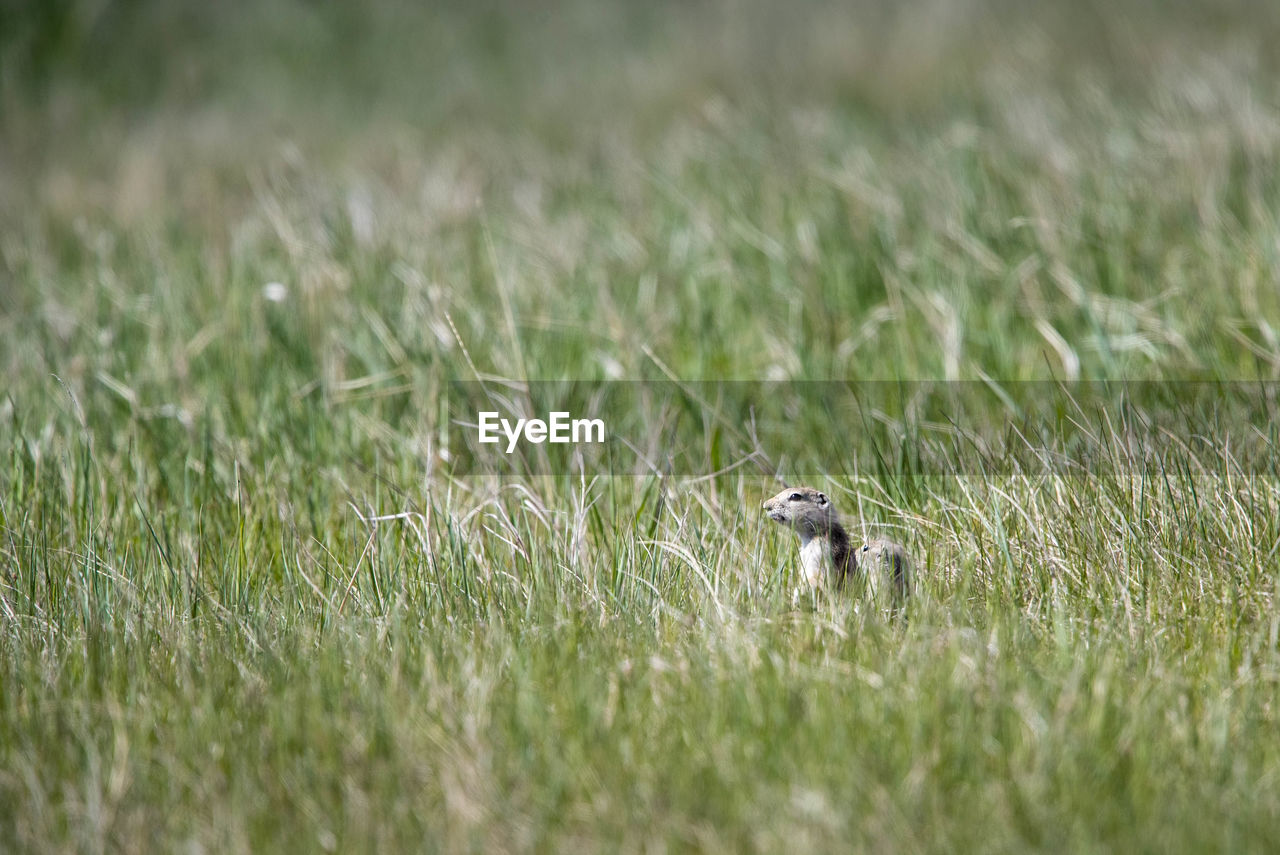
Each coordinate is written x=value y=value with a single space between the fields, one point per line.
x=795 y=497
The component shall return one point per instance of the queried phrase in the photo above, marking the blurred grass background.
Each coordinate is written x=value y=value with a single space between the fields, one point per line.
x=248 y=606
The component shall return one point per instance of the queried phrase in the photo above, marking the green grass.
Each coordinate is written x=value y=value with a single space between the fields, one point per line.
x=255 y=597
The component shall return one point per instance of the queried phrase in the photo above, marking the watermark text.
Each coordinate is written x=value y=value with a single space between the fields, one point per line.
x=558 y=427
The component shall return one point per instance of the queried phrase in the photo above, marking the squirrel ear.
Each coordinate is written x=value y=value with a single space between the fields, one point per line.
x=822 y=499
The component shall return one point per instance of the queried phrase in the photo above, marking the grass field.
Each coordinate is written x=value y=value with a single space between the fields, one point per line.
x=253 y=598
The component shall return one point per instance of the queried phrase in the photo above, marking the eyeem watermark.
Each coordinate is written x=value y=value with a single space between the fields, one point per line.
x=557 y=428
x=809 y=429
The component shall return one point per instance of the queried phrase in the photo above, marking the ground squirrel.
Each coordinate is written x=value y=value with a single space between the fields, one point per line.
x=826 y=558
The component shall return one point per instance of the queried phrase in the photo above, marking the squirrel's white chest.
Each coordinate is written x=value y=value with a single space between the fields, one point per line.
x=815 y=561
